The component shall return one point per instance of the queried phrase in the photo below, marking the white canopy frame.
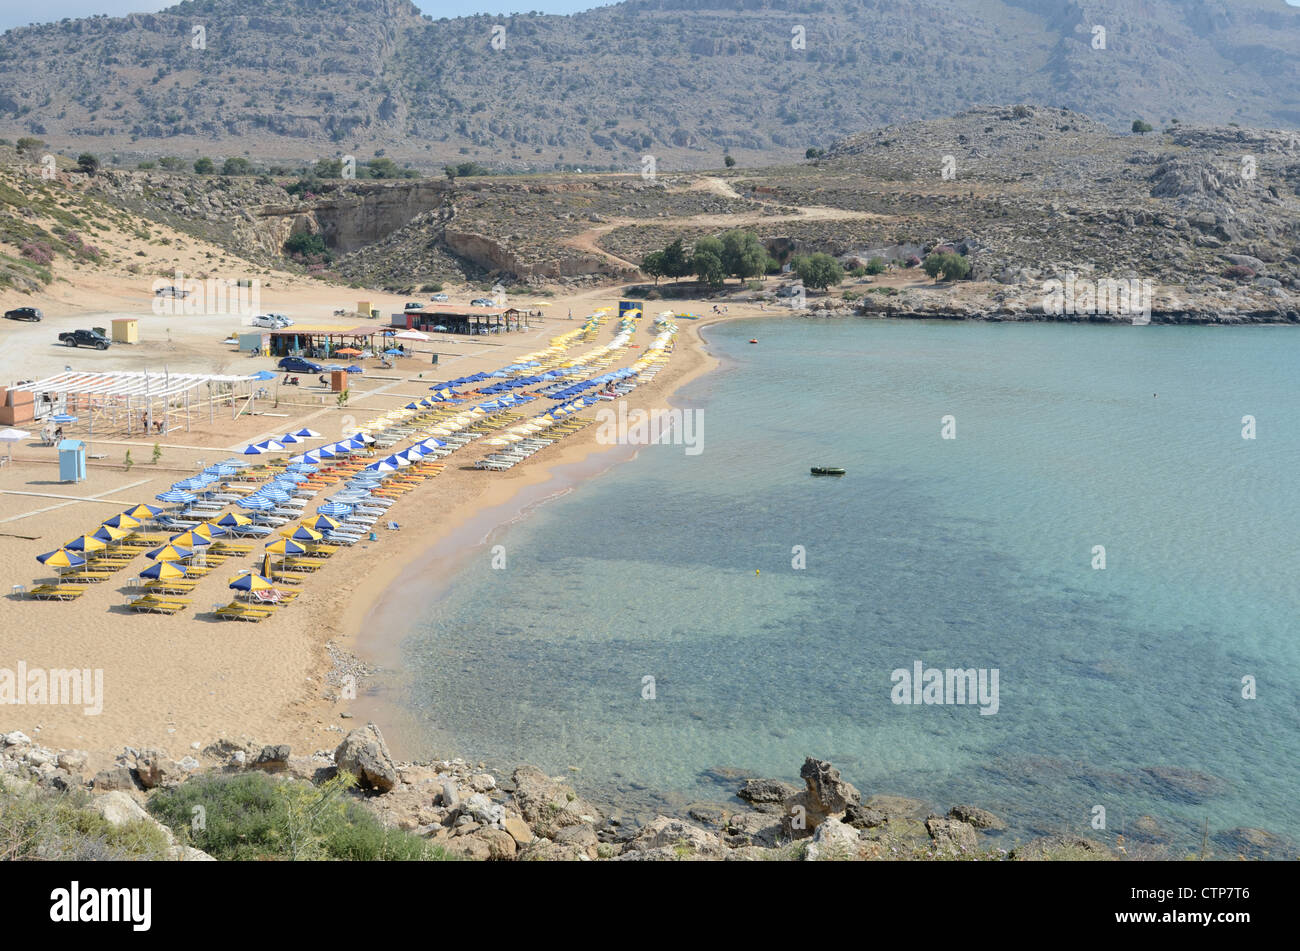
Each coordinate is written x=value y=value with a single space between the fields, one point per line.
x=140 y=402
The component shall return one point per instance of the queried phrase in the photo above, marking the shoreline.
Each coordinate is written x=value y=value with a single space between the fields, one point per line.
x=507 y=500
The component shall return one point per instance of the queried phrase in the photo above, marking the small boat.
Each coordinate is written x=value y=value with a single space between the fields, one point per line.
x=827 y=471
x=753 y=340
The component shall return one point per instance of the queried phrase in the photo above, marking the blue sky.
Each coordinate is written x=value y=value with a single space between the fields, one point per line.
x=13 y=13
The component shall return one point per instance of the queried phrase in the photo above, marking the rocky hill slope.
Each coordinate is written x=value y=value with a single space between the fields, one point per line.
x=683 y=80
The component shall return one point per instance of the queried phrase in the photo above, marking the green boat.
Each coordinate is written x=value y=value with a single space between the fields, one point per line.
x=827 y=470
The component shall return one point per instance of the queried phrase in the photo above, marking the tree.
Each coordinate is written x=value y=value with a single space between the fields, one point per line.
x=729 y=161
x=1140 y=127
x=383 y=168
x=29 y=144
x=653 y=265
x=676 y=262
x=236 y=166
x=743 y=254
x=328 y=168
x=707 y=266
x=204 y=166
x=172 y=163
x=814 y=153
x=875 y=266
x=818 y=270
x=87 y=164
x=952 y=266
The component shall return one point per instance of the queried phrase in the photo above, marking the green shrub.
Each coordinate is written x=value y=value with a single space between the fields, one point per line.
x=43 y=824
x=952 y=266
x=876 y=266
x=254 y=816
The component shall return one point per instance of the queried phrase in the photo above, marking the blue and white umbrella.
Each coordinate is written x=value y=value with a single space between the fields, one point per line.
x=176 y=496
x=307 y=434
x=289 y=438
x=334 y=508
x=256 y=503
x=383 y=465
x=270 y=445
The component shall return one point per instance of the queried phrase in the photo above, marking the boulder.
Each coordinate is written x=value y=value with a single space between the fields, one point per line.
x=117 y=778
x=549 y=805
x=17 y=738
x=951 y=834
x=680 y=838
x=826 y=795
x=833 y=841
x=118 y=809
x=579 y=837
x=272 y=759
x=751 y=828
x=74 y=761
x=1050 y=847
x=365 y=754
x=864 y=817
x=153 y=768
x=517 y=828
x=770 y=792
x=979 y=818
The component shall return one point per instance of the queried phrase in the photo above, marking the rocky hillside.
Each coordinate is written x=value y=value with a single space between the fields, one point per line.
x=681 y=79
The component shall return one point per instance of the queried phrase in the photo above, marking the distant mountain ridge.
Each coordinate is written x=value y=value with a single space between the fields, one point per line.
x=683 y=80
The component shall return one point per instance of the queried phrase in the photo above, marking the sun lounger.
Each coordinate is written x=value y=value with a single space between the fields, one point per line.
x=235 y=611
x=170 y=587
x=57 y=592
x=158 y=605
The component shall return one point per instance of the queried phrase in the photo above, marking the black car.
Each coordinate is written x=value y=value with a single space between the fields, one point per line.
x=84 y=338
x=23 y=313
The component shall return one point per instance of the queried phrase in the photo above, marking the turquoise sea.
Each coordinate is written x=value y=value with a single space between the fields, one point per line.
x=1119 y=687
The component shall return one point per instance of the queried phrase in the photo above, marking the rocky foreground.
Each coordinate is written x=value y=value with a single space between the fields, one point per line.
x=471 y=814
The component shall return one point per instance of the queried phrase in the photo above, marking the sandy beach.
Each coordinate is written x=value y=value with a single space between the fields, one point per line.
x=180 y=682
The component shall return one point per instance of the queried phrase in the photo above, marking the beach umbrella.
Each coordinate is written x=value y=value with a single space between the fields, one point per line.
x=142 y=511
x=301 y=467
x=190 y=540
x=307 y=434
x=348 y=352
x=323 y=523
x=302 y=533
x=256 y=503
x=108 y=533
x=123 y=521
x=61 y=558
x=290 y=477
x=221 y=469
x=209 y=530
x=286 y=546
x=176 y=496
x=234 y=518
x=334 y=508
x=393 y=352
x=383 y=465
x=273 y=493
x=84 y=543
x=290 y=438
x=262 y=375
x=270 y=445
x=63 y=418
x=164 y=571
x=237 y=462
x=169 y=553
x=251 y=582
x=11 y=436
x=253 y=450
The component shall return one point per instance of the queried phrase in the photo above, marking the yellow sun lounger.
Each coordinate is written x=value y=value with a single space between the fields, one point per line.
x=154 y=604
x=57 y=592
x=238 y=611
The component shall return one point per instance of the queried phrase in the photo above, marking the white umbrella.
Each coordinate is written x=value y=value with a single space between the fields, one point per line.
x=410 y=335
x=11 y=436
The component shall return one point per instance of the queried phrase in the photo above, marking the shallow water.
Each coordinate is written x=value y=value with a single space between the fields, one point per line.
x=973 y=552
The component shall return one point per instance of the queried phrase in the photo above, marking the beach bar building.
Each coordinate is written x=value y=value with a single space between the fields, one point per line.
x=136 y=402
x=324 y=340
x=460 y=320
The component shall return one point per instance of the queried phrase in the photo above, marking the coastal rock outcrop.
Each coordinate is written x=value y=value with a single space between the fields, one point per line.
x=365 y=754
x=549 y=805
x=825 y=795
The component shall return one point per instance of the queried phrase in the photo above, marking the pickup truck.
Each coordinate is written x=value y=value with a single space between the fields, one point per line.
x=84 y=338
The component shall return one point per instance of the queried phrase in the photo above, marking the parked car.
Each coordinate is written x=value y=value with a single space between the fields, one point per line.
x=413 y=305
x=482 y=302
x=299 y=365
x=23 y=313
x=273 y=321
x=440 y=297
x=170 y=292
x=84 y=338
